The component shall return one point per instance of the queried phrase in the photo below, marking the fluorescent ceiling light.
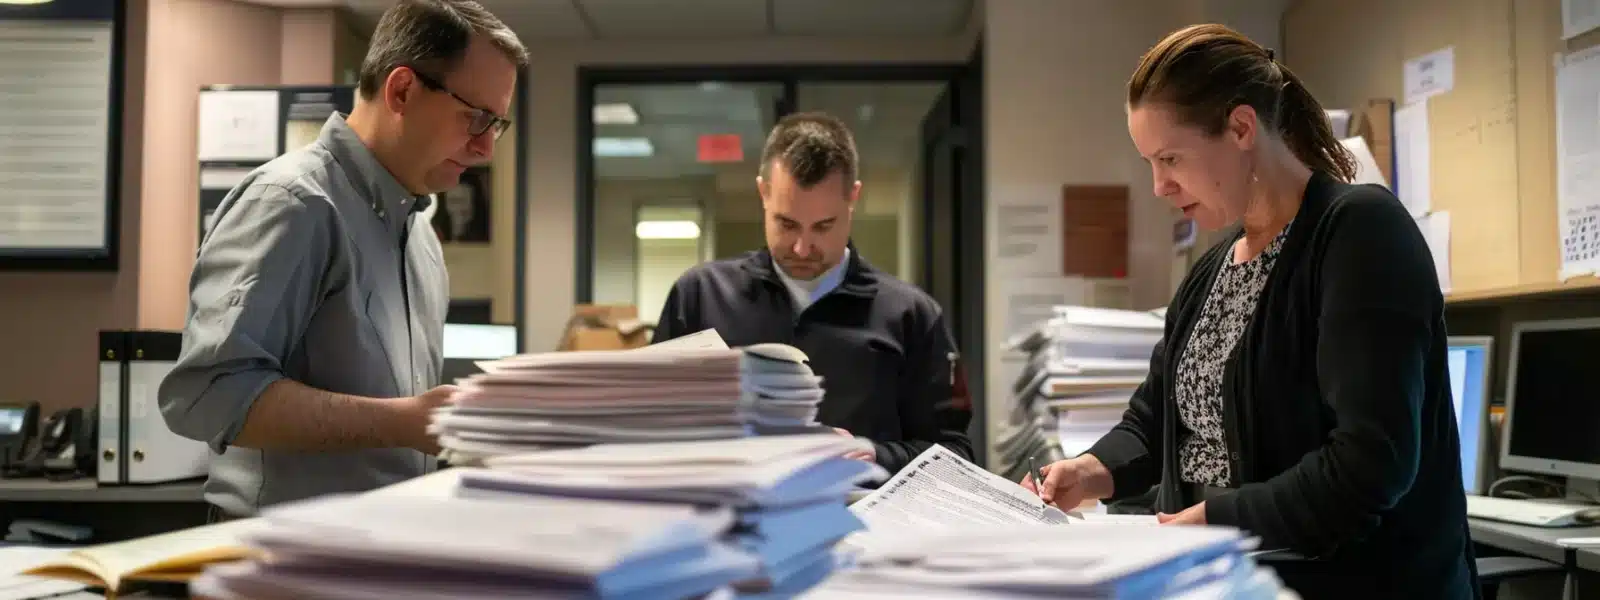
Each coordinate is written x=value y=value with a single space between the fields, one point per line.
x=610 y=147
x=667 y=230
x=617 y=113
x=24 y=1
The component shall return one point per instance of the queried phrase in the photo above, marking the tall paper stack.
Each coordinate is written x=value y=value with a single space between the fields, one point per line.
x=1082 y=560
x=1083 y=366
x=788 y=493
x=652 y=394
x=398 y=546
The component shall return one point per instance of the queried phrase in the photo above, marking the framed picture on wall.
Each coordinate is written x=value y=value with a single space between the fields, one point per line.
x=463 y=214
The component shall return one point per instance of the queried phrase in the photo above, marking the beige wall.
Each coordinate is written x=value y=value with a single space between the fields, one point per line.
x=551 y=161
x=173 y=48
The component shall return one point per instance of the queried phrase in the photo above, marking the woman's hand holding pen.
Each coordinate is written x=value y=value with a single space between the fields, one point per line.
x=1068 y=483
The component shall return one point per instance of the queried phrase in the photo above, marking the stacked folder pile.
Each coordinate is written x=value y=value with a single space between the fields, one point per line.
x=1083 y=365
x=787 y=493
x=652 y=394
x=1085 y=561
x=417 y=547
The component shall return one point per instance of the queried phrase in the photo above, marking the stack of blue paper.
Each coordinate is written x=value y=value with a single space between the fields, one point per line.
x=1081 y=561
x=788 y=493
x=396 y=546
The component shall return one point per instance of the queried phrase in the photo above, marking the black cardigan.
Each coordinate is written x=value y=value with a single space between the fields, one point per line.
x=1336 y=406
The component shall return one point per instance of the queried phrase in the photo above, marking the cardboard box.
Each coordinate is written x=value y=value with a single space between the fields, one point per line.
x=605 y=327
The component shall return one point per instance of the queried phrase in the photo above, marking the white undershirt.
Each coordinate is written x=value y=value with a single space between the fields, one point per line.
x=806 y=292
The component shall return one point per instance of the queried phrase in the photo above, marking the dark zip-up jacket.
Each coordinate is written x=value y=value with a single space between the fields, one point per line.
x=1340 y=429
x=880 y=344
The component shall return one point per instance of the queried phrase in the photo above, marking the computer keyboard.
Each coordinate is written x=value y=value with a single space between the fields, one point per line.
x=1537 y=513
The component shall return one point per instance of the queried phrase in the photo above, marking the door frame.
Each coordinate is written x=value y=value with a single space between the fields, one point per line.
x=965 y=79
x=789 y=76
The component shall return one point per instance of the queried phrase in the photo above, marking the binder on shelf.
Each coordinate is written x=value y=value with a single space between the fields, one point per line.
x=135 y=444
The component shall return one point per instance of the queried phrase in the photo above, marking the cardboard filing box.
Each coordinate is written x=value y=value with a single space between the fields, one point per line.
x=135 y=444
x=600 y=327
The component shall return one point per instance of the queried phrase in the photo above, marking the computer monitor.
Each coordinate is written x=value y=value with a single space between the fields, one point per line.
x=466 y=344
x=1469 y=388
x=1552 y=404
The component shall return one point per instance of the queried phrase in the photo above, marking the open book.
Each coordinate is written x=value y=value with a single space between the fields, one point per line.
x=169 y=557
x=940 y=490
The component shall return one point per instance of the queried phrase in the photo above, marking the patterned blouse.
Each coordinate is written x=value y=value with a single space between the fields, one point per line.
x=1203 y=454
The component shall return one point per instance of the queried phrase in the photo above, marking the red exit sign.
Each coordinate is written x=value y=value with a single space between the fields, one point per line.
x=721 y=147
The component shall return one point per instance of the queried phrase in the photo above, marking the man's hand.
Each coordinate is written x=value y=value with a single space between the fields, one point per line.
x=417 y=413
x=1068 y=483
x=866 y=455
x=1194 y=515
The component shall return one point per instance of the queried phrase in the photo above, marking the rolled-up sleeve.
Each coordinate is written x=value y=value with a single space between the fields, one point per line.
x=256 y=284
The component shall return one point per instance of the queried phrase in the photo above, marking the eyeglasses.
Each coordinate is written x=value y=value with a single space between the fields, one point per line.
x=482 y=119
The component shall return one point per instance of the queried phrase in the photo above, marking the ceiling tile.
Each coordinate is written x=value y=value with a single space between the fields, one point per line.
x=871 y=17
x=540 y=19
x=676 y=18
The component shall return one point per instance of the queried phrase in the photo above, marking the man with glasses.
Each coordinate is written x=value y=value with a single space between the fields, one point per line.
x=311 y=356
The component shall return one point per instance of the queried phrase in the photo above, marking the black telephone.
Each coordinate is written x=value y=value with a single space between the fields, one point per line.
x=65 y=449
x=18 y=425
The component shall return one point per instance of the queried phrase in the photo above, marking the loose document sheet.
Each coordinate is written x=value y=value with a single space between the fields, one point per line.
x=940 y=490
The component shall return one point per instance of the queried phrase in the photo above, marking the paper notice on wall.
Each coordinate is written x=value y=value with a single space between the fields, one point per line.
x=1429 y=75
x=1436 y=229
x=1413 y=158
x=1028 y=237
x=238 y=125
x=1578 y=162
x=1032 y=300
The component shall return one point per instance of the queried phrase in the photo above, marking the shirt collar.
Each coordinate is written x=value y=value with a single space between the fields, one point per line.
x=856 y=278
x=823 y=284
x=377 y=185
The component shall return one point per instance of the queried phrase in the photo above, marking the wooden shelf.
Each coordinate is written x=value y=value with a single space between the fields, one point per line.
x=1527 y=291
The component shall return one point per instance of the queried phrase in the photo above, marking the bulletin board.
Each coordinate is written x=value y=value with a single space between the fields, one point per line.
x=1490 y=136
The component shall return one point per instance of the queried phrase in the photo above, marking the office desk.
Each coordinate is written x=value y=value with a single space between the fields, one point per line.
x=1589 y=559
x=114 y=512
x=1538 y=542
x=88 y=490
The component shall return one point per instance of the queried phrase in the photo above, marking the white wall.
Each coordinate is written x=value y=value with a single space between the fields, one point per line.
x=551 y=159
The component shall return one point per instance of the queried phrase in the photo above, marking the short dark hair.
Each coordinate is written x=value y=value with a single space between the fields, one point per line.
x=1205 y=71
x=811 y=146
x=432 y=35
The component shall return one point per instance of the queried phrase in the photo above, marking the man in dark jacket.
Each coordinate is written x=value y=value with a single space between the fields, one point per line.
x=880 y=344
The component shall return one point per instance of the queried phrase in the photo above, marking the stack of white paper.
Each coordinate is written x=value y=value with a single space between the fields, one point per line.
x=1083 y=366
x=403 y=546
x=1081 y=561
x=788 y=493
x=667 y=392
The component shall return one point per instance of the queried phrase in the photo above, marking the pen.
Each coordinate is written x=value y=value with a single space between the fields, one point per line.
x=1033 y=473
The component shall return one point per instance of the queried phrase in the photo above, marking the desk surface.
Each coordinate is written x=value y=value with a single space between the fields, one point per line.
x=1589 y=559
x=1538 y=542
x=88 y=490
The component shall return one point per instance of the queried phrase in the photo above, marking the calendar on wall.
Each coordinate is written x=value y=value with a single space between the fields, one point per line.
x=1578 y=162
x=1580 y=238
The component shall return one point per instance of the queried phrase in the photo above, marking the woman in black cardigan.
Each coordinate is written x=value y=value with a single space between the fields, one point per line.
x=1300 y=391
